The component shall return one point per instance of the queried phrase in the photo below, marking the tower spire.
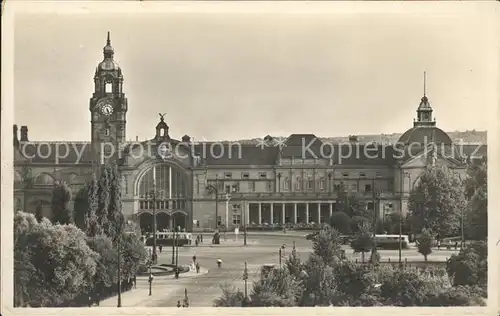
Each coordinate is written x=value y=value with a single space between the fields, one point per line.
x=108 y=42
x=425 y=76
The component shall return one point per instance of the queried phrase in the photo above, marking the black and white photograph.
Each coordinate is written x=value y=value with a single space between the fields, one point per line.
x=211 y=154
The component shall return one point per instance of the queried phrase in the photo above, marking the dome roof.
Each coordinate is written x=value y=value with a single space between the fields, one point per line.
x=44 y=179
x=425 y=134
x=108 y=64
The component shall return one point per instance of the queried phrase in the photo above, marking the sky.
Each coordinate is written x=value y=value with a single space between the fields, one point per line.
x=245 y=75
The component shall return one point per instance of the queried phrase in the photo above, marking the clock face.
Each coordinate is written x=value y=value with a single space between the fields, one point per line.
x=106 y=109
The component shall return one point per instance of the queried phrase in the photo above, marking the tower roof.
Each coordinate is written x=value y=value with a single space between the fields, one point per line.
x=108 y=63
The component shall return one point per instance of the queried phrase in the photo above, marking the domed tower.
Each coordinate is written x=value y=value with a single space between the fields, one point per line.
x=108 y=106
x=424 y=129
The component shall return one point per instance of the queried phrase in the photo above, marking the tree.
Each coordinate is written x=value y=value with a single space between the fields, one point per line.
x=279 y=288
x=54 y=264
x=476 y=190
x=363 y=242
x=81 y=207
x=39 y=211
x=92 y=223
x=357 y=222
x=424 y=243
x=375 y=256
x=319 y=287
x=109 y=211
x=342 y=222
x=408 y=287
x=470 y=266
x=293 y=263
x=61 y=196
x=327 y=245
x=231 y=297
x=437 y=202
x=352 y=281
x=133 y=254
x=106 y=264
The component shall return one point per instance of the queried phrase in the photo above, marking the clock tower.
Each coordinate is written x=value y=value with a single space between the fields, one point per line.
x=108 y=108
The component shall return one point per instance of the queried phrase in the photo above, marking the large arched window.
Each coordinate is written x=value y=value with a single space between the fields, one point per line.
x=166 y=185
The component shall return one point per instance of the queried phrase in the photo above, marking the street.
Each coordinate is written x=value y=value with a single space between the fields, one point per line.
x=261 y=249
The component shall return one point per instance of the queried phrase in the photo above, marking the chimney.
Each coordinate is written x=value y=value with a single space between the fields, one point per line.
x=136 y=138
x=24 y=133
x=16 y=138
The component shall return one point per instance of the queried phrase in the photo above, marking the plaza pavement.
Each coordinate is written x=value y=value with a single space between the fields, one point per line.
x=205 y=287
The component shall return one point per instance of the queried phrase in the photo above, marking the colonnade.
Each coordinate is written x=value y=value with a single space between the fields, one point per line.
x=282 y=213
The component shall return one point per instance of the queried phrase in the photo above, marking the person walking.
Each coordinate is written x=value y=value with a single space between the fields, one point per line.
x=197 y=267
x=178 y=304
x=135 y=281
x=194 y=258
x=160 y=248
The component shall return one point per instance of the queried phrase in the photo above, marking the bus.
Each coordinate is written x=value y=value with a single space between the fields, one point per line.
x=391 y=241
x=167 y=239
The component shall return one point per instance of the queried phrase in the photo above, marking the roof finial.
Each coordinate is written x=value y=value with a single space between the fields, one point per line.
x=108 y=42
x=425 y=77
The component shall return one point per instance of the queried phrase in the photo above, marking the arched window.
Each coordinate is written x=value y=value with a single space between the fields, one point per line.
x=108 y=87
x=298 y=184
x=167 y=184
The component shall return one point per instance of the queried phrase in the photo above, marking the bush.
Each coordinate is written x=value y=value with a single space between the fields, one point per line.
x=470 y=266
x=231 y=297
x=342 y=222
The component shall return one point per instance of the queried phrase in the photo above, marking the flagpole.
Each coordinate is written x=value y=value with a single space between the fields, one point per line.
x=154 y=212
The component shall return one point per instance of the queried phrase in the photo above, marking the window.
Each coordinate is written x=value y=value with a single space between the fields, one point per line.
x=310 y=184
x=322 y=183
x=219 y=220
x=345 y=174
x=106 y=132
x=369 y=206
x=362 y=175
x=337 y=187
x=368 y=187
x=354 y=187
x=108 y=87
x=389 y=205
x=263 y=175
x=245 y=175
x=228 y=175
x=235 y=188
x=286 y=183
x=220 y=186
x=252 y=186
x=228 y=189
x=297 y=184
x=236 y=219
x=270 y=186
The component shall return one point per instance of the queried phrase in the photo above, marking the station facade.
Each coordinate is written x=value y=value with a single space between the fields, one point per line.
x=204 y=185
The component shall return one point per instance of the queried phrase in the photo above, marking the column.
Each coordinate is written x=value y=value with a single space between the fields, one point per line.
x=283 y=213
x=307 y=213
x=319 y=213
x=271 y=213
x=260 y=213
x=295 y=212
x=170 y=183
x=331 y=209
x=247 y=213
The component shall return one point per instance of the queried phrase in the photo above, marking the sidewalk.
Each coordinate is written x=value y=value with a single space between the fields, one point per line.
x=140 y=297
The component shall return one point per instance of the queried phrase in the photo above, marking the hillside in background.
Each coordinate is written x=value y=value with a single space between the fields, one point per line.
x=466 y=137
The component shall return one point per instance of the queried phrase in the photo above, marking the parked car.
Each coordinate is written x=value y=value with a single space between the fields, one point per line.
x=311 y=236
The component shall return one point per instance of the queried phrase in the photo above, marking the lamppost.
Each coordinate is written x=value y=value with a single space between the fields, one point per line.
x=176 y=255
x=154 y=214
x=214 y=189
x=245 y=278
x=281 y=250
x=174 y=228
x=150 y=279
x=405 y=175
x=119 y=246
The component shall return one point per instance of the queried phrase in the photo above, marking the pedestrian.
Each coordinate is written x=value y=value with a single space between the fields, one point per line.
x=201 y=238
x=160 y=248
x=97 y=298
x=194 y=258
x=135 y=281
x=439 y=244
x=197 y=241
x=456 y=245
x=178 y=304
x=90 y=301
x=197 y=267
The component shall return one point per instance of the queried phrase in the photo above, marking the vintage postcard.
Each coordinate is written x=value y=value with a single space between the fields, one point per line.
x=187 y=157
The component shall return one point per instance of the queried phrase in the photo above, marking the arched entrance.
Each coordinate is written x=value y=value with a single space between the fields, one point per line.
x=163 y=189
